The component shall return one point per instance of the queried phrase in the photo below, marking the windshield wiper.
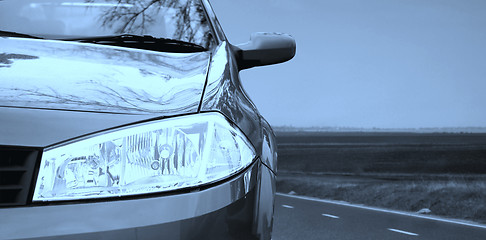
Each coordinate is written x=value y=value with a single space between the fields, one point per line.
x=16 y=34
x=142 y=42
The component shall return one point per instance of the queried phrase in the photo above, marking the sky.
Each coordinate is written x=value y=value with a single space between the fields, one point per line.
x=373 y=63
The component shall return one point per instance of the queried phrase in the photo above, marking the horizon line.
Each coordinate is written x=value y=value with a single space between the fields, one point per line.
x=380 y=129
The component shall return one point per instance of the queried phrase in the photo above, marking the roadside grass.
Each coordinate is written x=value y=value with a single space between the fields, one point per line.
x=442 y=172
x=454 y=196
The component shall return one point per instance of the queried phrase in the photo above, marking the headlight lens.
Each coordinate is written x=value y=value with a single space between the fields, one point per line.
x=152 y=157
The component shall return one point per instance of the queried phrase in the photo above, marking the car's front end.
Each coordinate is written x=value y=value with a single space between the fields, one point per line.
x=113 y=134
x=221 y=210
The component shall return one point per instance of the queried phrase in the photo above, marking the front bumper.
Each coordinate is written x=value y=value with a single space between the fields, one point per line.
x=227 y=210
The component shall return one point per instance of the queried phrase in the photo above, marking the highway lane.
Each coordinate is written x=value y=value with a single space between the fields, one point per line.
x=304 y=218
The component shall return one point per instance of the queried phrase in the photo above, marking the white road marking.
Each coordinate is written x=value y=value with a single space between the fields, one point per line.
x=403 y=232
x=342 y=203
x=287 y=206
x=329 y=215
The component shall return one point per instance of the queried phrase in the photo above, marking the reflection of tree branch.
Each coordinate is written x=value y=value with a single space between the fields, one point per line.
x=188 y=20
x=105 y=98
x=143 y=23
x=6 y=58
x=132 y=19
x=117 y=96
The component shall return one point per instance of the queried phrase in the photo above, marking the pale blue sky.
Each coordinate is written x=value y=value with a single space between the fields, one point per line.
x=373 y=63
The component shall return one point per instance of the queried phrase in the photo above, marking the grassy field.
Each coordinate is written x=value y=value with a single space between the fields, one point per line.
x=382 y=153
x=445 y=173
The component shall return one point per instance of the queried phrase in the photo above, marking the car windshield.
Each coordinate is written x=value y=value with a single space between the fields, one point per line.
x=182 y=20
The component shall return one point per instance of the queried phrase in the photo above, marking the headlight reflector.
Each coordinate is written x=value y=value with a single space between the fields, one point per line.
x=157 y=156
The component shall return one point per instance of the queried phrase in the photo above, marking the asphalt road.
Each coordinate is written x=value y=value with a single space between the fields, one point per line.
x=299 y=218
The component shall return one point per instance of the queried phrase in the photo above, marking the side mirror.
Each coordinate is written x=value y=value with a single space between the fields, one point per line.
x=265 y=49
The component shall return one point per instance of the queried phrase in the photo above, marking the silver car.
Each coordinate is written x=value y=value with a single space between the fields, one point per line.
x=126 y=119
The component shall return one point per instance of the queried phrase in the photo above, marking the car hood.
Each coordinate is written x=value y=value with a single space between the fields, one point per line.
x=42 y=128
x=53 y=74
x=52 y=91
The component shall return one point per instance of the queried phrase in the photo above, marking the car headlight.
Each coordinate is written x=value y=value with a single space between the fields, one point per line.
x=156 y=156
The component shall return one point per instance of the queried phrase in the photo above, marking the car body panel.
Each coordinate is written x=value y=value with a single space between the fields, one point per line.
x=42 y=127
x=224 y=93
x=240 y=207
x=266 y=201
x=93 y=77
x=269 y=147
x=187 y=215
